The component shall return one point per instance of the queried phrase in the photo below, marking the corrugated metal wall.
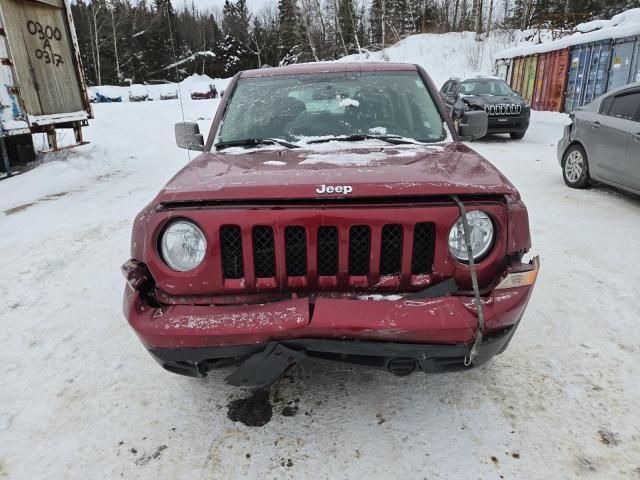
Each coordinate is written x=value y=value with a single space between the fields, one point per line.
x=624 y=62
x=517 y=75
x=588 y=73
x=551 y=80
x=528 y=87
x=523 y=76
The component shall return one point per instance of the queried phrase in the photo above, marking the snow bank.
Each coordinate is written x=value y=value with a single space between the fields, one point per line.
x=445 y=55
x=625 y=24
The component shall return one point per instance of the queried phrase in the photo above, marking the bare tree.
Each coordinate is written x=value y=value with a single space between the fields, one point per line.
x=455 y=14
x=383 y=22
x=338 y=27
x=115 y=43
x=354 y=28
x=490 y=17
x=305 y=14
x=476 y=14
x=95 y=27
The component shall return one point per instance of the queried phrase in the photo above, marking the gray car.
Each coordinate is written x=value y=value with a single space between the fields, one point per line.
x=603 y=141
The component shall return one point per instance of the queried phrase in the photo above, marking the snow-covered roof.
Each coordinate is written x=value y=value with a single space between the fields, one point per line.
x=625 y=24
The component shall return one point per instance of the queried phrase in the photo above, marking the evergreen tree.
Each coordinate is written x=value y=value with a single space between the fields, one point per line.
x=135 y=40
x=290 y=38
x=161 y=39
x=348 y=22
x=235 y=47
x=375 y=16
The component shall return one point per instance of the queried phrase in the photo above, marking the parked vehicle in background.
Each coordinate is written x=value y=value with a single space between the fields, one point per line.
x=99 y=98
x=168 y=92
x=602 y=142
x=508 y=112
x=212 y=92
x=138 y=93
x=342 y=219
x=42 y=87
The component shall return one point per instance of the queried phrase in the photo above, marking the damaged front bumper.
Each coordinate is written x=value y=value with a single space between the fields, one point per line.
x=397 y=333
x=261 y=364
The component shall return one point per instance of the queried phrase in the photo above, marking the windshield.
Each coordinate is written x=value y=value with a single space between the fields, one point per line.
x=485 y=86
x=342 y=104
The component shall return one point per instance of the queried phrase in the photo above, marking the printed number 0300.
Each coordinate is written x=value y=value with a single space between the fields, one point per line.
x=44 y=33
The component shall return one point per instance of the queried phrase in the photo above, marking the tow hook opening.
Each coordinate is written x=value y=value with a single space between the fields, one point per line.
x=401 y=367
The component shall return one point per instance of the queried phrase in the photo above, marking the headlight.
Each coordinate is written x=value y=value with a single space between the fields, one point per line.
x=183 y=246
x=480 y=234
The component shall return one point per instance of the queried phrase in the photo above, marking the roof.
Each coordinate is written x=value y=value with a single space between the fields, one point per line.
x=626 y=24
x=482 y=77
x=329 y=67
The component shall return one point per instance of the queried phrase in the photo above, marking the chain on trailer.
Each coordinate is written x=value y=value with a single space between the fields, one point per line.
x=475 y=348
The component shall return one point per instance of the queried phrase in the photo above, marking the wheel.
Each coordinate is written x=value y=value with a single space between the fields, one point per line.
x=517 y=135
x=575 y=167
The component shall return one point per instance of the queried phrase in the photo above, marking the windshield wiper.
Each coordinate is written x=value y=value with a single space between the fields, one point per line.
x=394 y=139
x=252 y=142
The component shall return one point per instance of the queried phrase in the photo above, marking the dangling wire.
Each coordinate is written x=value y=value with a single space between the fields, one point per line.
x=477 y=343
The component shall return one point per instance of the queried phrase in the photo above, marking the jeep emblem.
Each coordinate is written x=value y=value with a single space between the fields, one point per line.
x=346 y=189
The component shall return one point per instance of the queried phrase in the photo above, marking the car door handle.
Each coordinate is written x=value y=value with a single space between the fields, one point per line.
x=636 y=136
x=595 y=124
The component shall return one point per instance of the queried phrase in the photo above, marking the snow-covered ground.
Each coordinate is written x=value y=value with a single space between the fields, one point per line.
x=80 y=398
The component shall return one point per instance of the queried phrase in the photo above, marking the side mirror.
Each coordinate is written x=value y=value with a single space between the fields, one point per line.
x=473 y=125
x=457 y=111
x=188 y=136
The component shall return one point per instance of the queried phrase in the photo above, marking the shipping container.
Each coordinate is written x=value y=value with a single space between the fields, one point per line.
x=551 y=80
x=42 y=87
x=524 y=75
x=529 y=77
x=624 y=62
x=517 y=75
x=588 y=73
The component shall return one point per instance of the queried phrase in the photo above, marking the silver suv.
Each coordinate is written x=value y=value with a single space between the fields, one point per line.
x=603 y=141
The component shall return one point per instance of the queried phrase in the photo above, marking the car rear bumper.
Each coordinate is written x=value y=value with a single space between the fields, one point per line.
x=564 y=143
x=195 y=338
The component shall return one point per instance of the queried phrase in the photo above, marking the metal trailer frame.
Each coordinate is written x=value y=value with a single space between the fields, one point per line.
x=26 y=124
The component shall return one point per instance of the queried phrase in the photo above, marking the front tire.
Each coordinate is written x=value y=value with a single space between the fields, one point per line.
x=517 y=135
x=575 y=167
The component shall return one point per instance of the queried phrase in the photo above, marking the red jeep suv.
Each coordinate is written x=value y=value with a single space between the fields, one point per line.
x=334 y=214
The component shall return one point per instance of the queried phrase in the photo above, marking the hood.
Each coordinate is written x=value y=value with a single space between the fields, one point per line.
x=381 y=171
x=482 y=100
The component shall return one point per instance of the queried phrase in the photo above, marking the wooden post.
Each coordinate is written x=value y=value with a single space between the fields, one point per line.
x=5 y=157
x=52 y=138
x=77 y=131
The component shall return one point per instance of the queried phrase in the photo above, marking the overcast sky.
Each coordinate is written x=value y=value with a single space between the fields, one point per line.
x=254 y=5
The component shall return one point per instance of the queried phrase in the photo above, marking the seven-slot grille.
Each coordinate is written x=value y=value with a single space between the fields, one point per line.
x=503 y=109
x=366 y=254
